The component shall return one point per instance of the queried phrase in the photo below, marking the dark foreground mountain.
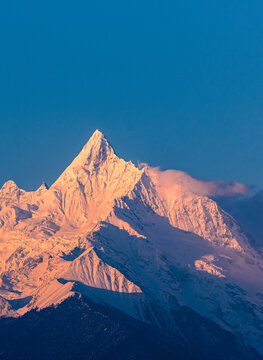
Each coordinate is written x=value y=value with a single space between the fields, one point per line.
x=81 y=329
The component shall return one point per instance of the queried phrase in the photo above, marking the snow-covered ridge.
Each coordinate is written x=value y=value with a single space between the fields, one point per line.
x=82 y=196
x=126 y=238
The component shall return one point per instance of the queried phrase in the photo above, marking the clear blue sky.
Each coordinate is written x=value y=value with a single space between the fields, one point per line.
x=173 y=83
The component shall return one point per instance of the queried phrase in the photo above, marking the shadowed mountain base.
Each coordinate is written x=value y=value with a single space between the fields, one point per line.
x=81 y=329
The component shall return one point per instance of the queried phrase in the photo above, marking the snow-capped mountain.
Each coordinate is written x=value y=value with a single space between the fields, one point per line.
x=139 y=240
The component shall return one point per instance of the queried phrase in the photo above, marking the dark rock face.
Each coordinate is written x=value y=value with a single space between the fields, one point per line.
x=81 y=329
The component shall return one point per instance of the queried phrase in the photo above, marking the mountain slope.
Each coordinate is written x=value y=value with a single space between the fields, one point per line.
x=80 y=329
x=83 y=329
x=128 y=238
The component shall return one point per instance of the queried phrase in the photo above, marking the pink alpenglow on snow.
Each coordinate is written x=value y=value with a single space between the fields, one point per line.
x=135 y=239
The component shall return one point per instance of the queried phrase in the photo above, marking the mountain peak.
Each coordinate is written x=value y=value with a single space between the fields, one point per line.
x=9 y=187
x=97 y=139
x=44 y=186
x=96 y=151
x=97 y=133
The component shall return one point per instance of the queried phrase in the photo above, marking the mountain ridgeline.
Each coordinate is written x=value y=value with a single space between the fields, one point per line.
x=152 y=250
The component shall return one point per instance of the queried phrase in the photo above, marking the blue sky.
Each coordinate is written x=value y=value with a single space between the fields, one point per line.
x=173 y=83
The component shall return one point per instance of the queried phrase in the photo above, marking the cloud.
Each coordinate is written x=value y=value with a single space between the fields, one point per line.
x=179 y=181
